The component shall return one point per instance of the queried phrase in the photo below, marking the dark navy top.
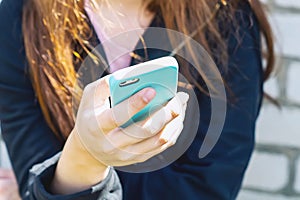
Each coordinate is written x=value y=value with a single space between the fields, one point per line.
x=217 y=176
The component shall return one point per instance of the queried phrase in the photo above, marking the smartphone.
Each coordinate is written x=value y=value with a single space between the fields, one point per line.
x=160 y=74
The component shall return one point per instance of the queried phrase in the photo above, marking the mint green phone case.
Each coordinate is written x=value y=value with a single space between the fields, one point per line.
x=163 y=80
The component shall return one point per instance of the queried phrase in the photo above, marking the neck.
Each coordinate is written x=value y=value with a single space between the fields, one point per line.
x=127 y=4
x=121 y=13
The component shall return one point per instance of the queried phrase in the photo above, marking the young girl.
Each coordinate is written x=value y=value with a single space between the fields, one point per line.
x=43 y=43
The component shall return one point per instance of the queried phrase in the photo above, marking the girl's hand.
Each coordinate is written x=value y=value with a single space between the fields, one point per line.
x=98 y=125
x=8 y=185
x=97 y=141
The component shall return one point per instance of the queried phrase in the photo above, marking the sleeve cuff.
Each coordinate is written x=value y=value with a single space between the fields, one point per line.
x=42 y=174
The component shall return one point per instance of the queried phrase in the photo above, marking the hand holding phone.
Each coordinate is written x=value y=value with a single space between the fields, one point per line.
x=100 y=135
x=160 y=74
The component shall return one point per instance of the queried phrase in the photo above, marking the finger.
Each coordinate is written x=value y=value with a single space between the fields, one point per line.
x=117 y=139
x=6 y=173
x=123 y=141
x=6 y=185
x=10 y=193
x=184 y=110
x=155 y=123
x=143 y=150
x=175 y=105
x=140 y=151
x=146 y=156
x=148 y=127
x=94 y=96
x=150 y=147
x=177 y=133
x=121 y=113
x=120 y=138
x=139 y=131
x=168 y=131
x=163 y=146
x=163 y=116
x=99 y=90
x=144 y=146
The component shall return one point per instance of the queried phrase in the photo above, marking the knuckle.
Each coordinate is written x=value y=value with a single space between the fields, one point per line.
x=126 y=157
x=134 y=106
x=108 y=149
x=120 y=158
x=149 y=131
x=136 y=102
x=152 y=129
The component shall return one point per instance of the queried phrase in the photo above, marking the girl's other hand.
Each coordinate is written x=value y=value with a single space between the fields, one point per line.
x=8 y=185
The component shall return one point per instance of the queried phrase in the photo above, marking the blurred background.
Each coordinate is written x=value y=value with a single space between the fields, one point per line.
x=274 y=170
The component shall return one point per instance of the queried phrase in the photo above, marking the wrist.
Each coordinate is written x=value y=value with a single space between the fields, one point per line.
x=77 y=169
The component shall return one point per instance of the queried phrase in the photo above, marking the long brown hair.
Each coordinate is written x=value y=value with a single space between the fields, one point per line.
x=51 y=27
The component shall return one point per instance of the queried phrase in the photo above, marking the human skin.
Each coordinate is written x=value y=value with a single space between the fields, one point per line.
x=8 y=185
x=81 y=165
x=97 y=142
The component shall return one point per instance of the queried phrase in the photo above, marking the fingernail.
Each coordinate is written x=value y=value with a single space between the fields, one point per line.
x=148 y=94
x=151 y=127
